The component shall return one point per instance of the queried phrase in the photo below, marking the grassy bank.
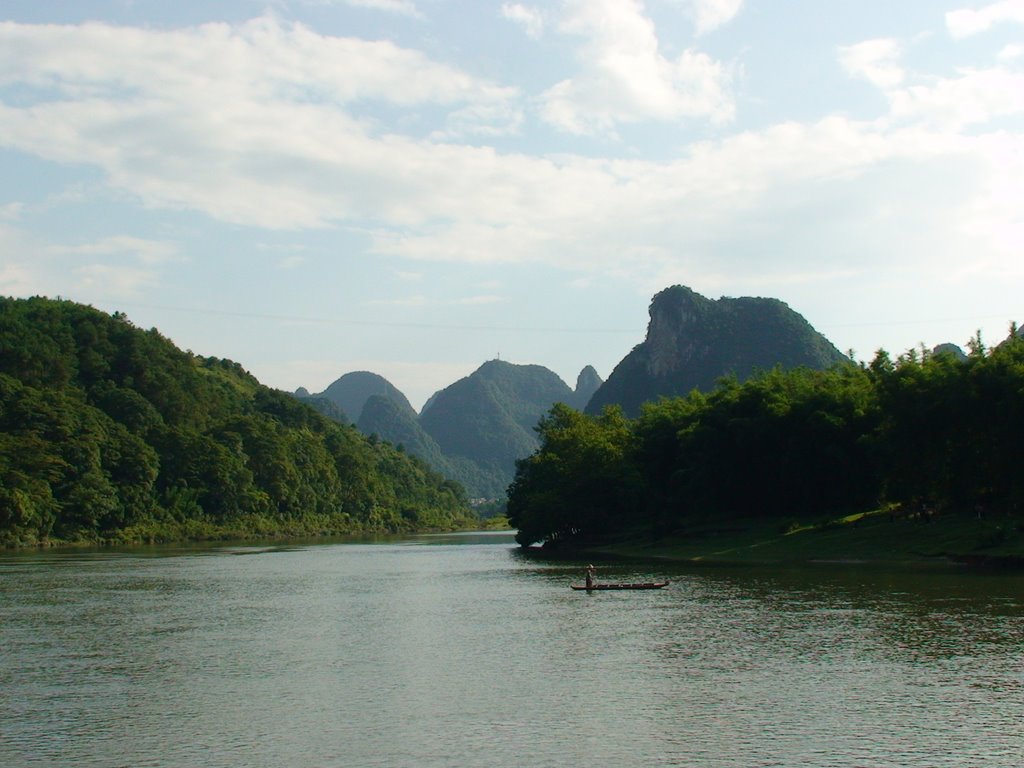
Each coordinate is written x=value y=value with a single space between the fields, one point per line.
x=876 y=537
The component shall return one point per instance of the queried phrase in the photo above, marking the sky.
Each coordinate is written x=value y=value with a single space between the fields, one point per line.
x=414 y=187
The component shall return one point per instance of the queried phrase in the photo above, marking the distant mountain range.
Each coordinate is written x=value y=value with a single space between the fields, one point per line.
x=474 y=430
x=351 y=391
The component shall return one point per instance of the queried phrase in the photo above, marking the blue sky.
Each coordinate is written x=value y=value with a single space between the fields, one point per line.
x=413 y=187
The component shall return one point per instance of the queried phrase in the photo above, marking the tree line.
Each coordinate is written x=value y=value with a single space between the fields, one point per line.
x=109 y=432
x=925 y=434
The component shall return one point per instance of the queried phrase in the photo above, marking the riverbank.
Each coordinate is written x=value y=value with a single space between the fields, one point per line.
x=881 y=537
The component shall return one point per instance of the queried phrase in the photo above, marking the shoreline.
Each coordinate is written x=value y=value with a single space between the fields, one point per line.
x=865 y=540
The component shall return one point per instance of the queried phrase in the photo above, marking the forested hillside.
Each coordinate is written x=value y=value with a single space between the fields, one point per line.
x=109 y=432
x=926 y=435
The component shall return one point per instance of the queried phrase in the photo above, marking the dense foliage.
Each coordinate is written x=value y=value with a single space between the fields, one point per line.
x=111 y=432
x=926 y=434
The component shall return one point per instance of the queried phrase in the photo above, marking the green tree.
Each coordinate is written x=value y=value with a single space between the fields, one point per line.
x=579 y=483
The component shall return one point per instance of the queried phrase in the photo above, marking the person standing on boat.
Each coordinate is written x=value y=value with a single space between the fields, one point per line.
x=590 y=576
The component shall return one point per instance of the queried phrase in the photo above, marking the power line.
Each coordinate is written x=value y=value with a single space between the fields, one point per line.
x=381 y=323
x=926 y=321
x=1006 y=317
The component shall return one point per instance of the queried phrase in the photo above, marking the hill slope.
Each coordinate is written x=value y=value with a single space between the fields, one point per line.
x=111 y=432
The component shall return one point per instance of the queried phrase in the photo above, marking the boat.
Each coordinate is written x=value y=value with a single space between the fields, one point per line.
x=640 y=585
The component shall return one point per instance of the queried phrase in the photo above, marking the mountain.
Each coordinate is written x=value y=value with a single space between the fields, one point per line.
x=351 y=391
x=488 y=418
x=494 y=408
x=692 y=341
x=949 y=348
x=587 y=383
x=472 y=431
x=109 y=432
x=325 y=407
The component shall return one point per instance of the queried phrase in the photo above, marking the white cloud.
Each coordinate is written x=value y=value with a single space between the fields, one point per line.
x=711 y=14
x=11 y=211
x=482 y=299
x=261 y=63
x=30 y=267
x=970 y=21
x=116 y=282
x=1011 y=53
x=974 y=97
x=145 y=251
x=970 y=97
x=399 y=7
x=591 y=214
x=16 y=280
x=120 y=266
x=488 y=120
x=19 y=271
x=23 y=266
x=531 y=19
x=874 y=60
x=624 y=77
x=994 y=216
x=264 y=125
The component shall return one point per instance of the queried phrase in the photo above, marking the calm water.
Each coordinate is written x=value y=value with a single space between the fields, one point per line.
x=457 y=651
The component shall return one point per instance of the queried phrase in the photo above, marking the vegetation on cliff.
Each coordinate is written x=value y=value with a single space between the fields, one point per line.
x=692 y=341
x=109 y=432
x=923 y=436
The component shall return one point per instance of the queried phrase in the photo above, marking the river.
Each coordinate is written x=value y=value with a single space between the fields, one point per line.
x=459 y=651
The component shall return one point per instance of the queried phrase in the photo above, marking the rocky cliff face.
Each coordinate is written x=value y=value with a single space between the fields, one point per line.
x=692 y=341
x=674 y=338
